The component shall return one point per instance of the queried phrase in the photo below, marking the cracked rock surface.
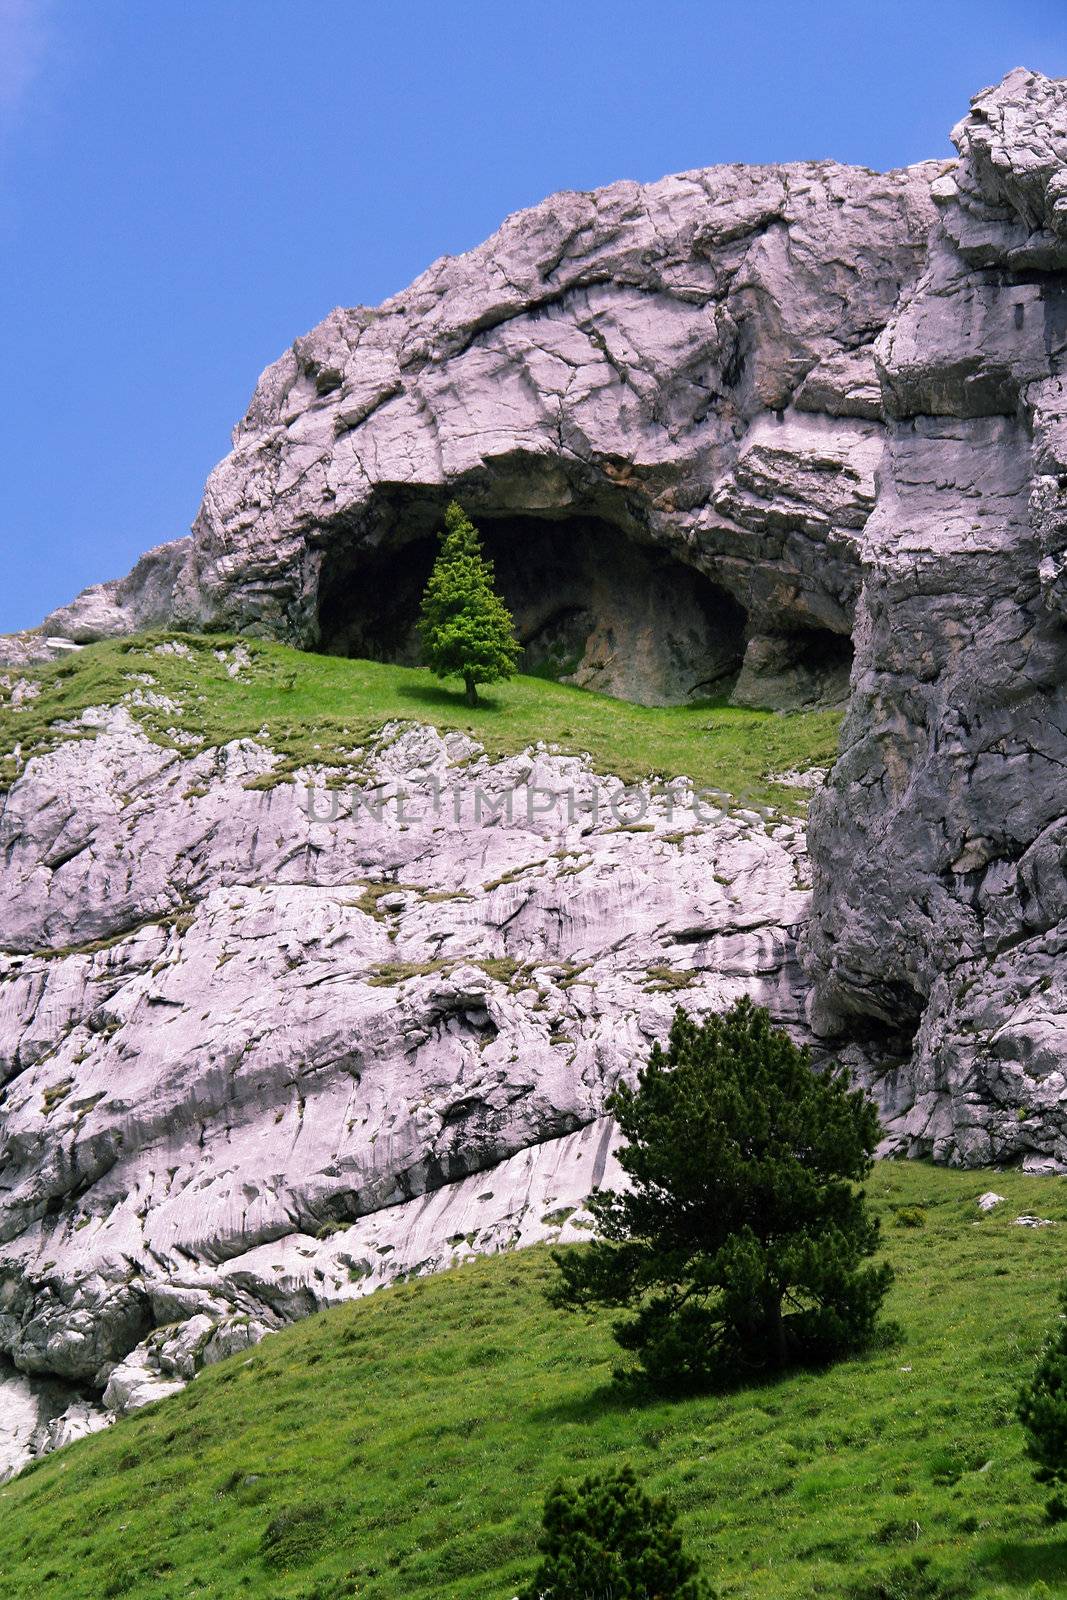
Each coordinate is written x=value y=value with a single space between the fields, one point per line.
x=940 y=843
x=664 y=390
x=262 y=1050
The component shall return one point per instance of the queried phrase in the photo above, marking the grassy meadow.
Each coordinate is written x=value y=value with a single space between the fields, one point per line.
x=312 y=708
x=400 y=1448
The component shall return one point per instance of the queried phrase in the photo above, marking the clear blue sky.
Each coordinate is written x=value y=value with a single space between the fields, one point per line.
x=187 y=185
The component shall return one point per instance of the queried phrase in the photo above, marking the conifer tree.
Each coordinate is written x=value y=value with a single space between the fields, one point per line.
x=607 y=1538
x=740 y=1246
x=467 y=630
x=1043 y=1414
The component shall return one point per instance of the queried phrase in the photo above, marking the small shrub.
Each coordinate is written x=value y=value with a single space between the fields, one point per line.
x=1043 y=1414
x=120 y=1582
x=607 y=1538
x=911 y=1217
x=326 y=1230
x=898 y=1531
x=295 y=1536
x=247 y=1488
x=907 y=1580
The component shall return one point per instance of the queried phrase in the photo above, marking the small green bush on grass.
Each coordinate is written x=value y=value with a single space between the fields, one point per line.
x=1043 y=1414
x=607 y=1538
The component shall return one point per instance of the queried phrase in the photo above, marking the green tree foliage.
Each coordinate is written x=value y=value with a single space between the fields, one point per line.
x=467 y=630
x=1043 y=1414
x=741 y=1245
x=607 y=1540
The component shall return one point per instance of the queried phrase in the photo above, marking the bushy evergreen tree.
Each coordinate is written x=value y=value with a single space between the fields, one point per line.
x=467 y=630
x=741 y=1245
x=1043 y=1414
x=607 y=1540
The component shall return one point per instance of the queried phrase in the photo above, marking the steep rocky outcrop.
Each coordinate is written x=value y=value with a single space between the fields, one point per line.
x=659 y=401
x=941 y=844
x=720 y=432
x=645 y=362
x=262 y=1050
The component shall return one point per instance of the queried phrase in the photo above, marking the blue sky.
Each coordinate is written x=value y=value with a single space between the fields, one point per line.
x=187 y=185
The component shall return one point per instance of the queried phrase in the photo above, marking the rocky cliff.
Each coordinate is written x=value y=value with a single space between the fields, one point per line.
x=941 y=845
x=661 y=403
x=785 y=433
x=265 y=1049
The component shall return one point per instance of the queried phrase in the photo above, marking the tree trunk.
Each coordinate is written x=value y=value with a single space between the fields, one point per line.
x=472 y=689
x=776 y=1328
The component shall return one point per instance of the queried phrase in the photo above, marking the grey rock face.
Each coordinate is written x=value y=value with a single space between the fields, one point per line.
x=940 y=844
x=836 y=399
x=39 y=1415
x=609 y=385
x=626 y=359
x=256 y=1058
x=143 y=599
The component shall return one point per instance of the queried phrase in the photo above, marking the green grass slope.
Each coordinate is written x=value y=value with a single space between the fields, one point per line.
x=318 y=708
x=400 y=1448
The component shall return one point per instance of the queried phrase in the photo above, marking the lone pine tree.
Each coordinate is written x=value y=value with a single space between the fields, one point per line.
x=467 y=630
x=741 y=1246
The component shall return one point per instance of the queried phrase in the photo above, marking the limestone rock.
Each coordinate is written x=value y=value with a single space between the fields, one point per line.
x=136 y=1382
x=264 y=1049
x=940 y=844
x=143 y=599
x=39 y=1415
x=609 y=384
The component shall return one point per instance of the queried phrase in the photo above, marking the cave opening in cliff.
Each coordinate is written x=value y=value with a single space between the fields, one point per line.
x=796 y=668
x=592 y=606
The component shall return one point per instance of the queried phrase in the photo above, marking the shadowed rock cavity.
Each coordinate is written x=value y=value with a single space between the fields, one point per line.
x=592 y=606
x=795 y=670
